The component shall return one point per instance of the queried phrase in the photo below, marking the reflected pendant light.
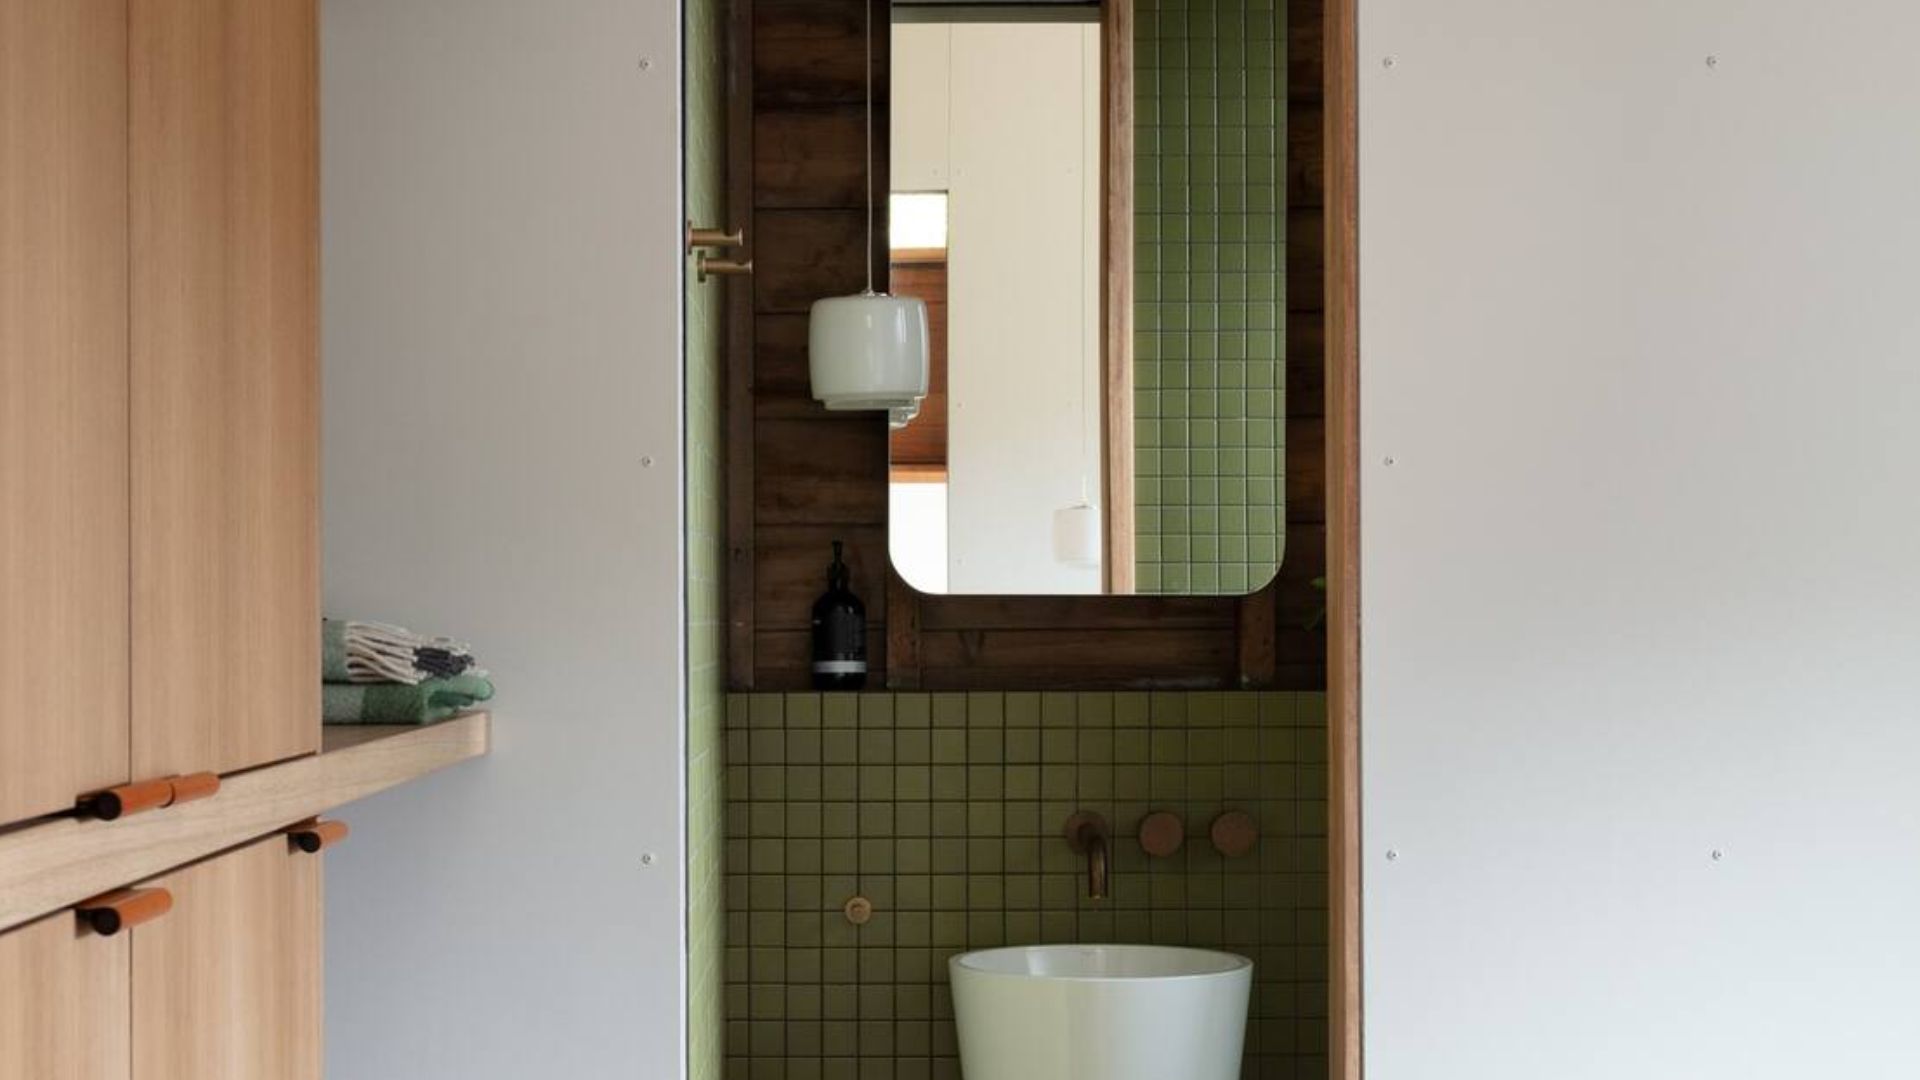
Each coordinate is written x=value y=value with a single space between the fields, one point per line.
x=869 y=351
x=1076 y=534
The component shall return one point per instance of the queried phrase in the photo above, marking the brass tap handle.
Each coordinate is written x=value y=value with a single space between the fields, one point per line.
x=713 y=238
x=1234 y=833
x=1162 y=833
x=706 y=266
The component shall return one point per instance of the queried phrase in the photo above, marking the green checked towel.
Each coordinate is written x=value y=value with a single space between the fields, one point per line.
x=397 y=703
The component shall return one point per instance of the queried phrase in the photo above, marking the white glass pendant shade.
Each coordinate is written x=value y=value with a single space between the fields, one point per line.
x=868 y=351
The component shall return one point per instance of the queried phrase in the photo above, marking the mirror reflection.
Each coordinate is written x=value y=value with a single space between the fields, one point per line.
x=1094 y=218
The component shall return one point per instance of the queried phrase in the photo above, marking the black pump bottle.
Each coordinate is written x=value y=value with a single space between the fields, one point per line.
x=839 y=633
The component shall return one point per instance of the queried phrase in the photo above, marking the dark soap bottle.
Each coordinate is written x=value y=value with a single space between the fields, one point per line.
x=839 y=633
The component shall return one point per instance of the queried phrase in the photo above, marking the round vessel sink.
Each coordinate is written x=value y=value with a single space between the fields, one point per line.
x=1100 y=1012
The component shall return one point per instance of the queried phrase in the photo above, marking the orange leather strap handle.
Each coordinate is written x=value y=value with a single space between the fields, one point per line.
x=118 y=802
x=315 y=836
x=194 y=786
x=116 y=911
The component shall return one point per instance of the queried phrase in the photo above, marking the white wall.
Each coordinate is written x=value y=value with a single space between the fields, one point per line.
x=1641 y=549
x=502 y=300
x=1019 y=105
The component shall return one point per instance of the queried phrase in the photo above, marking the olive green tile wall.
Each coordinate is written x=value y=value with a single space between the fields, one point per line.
x=1210 y=378
x=706 y=552
x=945 y=810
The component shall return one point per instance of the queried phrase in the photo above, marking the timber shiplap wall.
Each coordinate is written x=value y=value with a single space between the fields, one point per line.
x=801 y=477
x=813 y=476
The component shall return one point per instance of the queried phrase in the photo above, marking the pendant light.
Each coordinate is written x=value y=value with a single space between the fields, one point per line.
x=869 y=351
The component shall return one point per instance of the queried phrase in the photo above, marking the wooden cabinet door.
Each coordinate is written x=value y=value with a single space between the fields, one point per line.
x=63 y=402
x=63 y=1001
x=225 y=383
x=227 y=986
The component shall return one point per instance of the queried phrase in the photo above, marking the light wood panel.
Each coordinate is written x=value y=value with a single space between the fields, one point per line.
x=63 y=1000
x=225 y=384
x=63 y=402
x=53 y=865
x=1345 y=1010
x=227 y=986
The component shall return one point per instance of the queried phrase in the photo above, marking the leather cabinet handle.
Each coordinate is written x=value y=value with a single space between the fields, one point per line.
x=118 y=802
x=123 y=909
x=195 y=786
x=127 y=799
x=316 y=836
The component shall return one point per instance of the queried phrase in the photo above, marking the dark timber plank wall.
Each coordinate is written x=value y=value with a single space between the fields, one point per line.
x=802 y=477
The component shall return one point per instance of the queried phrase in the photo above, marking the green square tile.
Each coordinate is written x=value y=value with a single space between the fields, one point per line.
x=949 y=710
x=766 y=711
x=1022 y=710
x=912 y=710
x=985 y=746
x=912 y=782
x=949 y=781
x=985 y=782
x=985 y=819
x=1022 y=745
x=949 y=747
x=798 y=782
x=839 y=782
x=949 y=819
x=876 y=747
x=876 y=782
x=876 y=710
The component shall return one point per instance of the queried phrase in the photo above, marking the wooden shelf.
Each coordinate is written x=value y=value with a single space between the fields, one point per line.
x=57 y=863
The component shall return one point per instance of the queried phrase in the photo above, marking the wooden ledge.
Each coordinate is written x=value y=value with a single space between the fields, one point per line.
x=58 y=863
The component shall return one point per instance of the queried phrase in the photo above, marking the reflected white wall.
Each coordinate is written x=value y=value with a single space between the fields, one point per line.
x=1006 y=119
x=917 y=535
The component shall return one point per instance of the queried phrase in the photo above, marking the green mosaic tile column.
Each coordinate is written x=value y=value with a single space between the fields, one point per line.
x=706 y=552
x=945 y=810
x=1209 y=374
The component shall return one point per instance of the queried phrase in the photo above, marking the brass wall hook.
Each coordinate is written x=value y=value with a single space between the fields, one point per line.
x=706 y=266
x=713 y=238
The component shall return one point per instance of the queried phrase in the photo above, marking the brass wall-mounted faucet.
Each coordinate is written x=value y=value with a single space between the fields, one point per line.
x=1087 y=834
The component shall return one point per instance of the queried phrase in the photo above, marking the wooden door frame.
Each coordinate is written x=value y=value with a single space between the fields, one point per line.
x=1346 y=1009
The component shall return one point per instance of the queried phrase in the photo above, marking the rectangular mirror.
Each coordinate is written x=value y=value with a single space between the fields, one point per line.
x=1090 y=198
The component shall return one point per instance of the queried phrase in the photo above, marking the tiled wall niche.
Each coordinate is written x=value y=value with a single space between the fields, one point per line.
x=946 y=809
x=1210 y=183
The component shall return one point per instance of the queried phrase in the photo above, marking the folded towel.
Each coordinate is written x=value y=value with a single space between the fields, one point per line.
x=397 y=703
x=371 y=652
